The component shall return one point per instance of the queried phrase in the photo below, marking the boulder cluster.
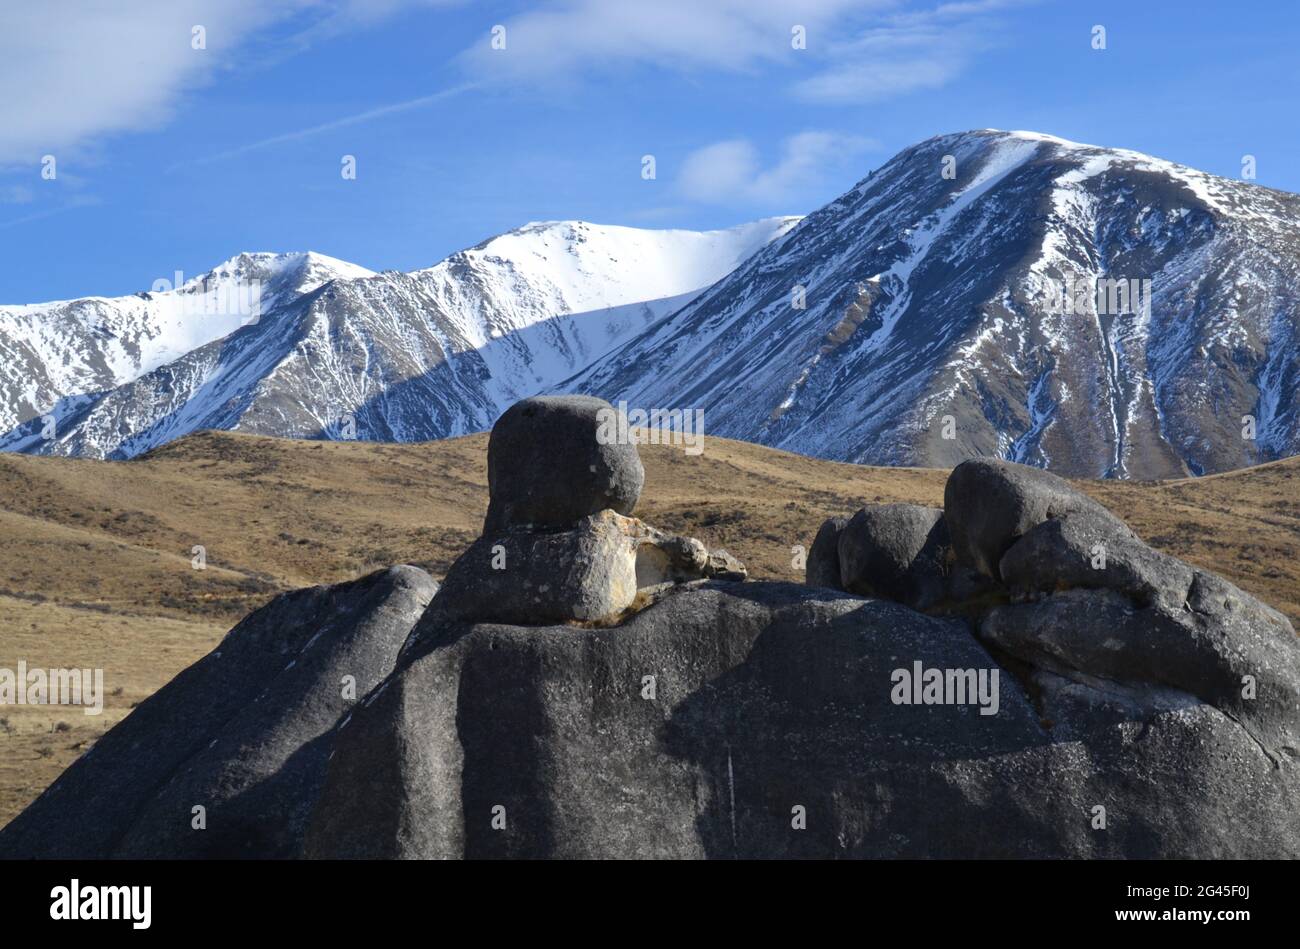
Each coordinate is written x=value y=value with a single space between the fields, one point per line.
x=1095 y=621
x=559 y=544
x=1015 y=675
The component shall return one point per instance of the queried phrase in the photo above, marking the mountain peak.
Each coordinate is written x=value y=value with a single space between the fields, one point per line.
x=304 y=270
x=925 y=296
x=915 y=303
x=591 y=267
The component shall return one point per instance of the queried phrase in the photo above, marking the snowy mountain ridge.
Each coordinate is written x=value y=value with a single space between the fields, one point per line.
x=1097 y=311
x=76 y=347
x=471 y=334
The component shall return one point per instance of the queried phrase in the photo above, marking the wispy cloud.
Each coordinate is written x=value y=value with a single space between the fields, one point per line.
x=856 y=50
x=72 y=204
x=74 y=72
x=567 y=38
x=347 y=120
x=732 y=172
x=907 y=51
x=890 y=61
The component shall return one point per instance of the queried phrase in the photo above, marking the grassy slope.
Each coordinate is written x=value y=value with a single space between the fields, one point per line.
x=95 y=557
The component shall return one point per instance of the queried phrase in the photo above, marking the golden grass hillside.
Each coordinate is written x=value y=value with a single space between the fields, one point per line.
x=96 y=557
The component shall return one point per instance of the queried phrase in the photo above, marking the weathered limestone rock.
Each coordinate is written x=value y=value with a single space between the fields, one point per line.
x=589 y=573
x=990 y=504
x=547 y=466
x=244 y=733
x=705 y=724
x=897 y=551
x=822 y=568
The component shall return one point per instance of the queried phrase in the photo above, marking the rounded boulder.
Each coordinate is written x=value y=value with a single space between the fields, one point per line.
x=989 y=504
x=553 y=460
x=896 y=551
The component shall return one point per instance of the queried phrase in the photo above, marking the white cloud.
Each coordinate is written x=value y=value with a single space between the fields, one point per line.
x=731 y=172
x=72 y=72
x=917 y=49
x=355 y=118
x=890 y=61
x=857 y=50
x=570 y=37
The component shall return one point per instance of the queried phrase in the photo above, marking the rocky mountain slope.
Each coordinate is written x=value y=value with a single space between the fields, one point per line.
x=70 y=351
x=350 y=354
x=950 y=316
x=1095 y=311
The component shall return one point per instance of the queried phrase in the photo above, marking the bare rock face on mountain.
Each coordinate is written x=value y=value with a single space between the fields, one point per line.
x=1094 y=311
x=437 y=352
x=244 y=734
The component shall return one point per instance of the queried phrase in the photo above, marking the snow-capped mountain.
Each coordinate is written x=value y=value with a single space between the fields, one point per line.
x=340 y=352
x=51 y=351
x=1096 y=311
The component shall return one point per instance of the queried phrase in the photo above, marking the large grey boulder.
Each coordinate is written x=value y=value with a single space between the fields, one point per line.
x=1082 y=550
x=1105 y=607
x=244 y=733
x=897 y=551
x=822 y=567
x=1236 y=659
x=989 y=504
x=553 y=460
x=765 y=720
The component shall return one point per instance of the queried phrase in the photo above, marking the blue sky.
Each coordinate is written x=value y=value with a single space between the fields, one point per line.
x=170 y=158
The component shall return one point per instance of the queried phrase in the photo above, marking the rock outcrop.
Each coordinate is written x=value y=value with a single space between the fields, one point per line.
x=1147 y=667
x=1075 y=694
x=556 y=544
x=1017 y=675
x=989 y=504
x=822 y=567
x=244 y=734
x=759 y=720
